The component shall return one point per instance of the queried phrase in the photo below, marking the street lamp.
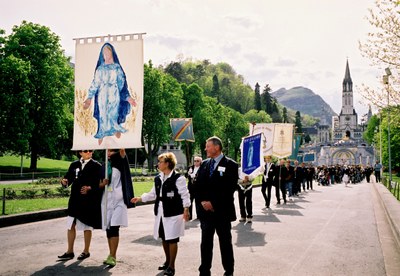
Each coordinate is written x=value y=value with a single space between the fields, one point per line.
x=386 y=81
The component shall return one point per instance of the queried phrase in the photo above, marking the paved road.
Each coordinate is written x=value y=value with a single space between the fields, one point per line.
x=329 y=231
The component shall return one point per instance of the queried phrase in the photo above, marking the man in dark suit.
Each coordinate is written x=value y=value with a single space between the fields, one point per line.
x=191 y=175
x=269 y=179
x=216 y=183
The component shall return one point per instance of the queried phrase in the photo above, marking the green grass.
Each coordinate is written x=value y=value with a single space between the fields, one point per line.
x=19 y=206
x=30 y=205
x=43 y=164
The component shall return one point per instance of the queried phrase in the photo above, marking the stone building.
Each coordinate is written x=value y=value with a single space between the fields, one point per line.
x=347 y=146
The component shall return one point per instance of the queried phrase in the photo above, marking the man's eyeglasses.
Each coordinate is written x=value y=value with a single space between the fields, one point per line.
x=86 y=151
x=196 y=160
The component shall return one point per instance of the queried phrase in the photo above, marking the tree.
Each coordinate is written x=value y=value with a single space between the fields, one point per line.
x=49 y=95
x=236 y=128
x=297 y=123
x=254 y=116
x=276 y=115
x=257 y=97
x=193 y=104
x=215 y=88
x=285 y=115
x=176 y=70
x=15 y=126
x=162 y=101
x=382 y=48
x=267 y=99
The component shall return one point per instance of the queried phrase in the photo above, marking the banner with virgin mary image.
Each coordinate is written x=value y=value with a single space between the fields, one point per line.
x=108 y=92
x=252 y=159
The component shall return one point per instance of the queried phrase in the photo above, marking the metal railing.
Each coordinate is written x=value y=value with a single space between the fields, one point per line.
x=392 y=186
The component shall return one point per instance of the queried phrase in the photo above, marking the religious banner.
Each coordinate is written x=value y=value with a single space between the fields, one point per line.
x=267 y=131
x=295 y=146
x=108 y=92
x=182 y=129
x=282 y=141
x=252 y=158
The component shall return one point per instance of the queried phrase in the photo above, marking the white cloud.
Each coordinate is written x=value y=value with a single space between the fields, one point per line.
x=280 y=43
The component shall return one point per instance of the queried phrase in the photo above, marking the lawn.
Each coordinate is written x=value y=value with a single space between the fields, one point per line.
x=23 y=205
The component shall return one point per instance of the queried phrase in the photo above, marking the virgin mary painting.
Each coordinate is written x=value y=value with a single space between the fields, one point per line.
x=112 y=101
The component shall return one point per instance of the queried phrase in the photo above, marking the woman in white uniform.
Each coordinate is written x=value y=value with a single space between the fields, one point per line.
x=116 y=200
x=171 y=208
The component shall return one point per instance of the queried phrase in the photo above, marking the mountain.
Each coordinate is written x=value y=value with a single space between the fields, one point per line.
x=306 y=101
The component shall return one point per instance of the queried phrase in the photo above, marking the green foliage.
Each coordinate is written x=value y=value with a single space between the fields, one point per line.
x=254 y=116
x=28 y=193
x=257 y=97
x=46 y=89
x=163 y=100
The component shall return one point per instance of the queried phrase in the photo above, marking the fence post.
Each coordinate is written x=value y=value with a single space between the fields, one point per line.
x=4 y=201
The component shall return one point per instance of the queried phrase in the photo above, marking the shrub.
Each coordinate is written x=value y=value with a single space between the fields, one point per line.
x=47 y=192
x=11 y=194
x=28 y=193
x=63 y=191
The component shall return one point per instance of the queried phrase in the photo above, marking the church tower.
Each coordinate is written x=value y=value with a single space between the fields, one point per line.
x=347 y=126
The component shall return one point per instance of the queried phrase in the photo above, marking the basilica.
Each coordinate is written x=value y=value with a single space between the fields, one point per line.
x=341 y=142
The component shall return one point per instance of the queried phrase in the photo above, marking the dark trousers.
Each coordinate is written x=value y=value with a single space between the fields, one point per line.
x=309 y=183
x=191 y=204
x=378 y=176
x=283 y=191
x=266 y=190
x=296 y=186
x=223 y=229
x=246 y=203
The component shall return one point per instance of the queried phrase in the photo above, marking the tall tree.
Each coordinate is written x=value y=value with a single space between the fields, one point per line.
x=267 y=99
x=235 y=129
x=285 y=117
x=162 y=101
x=276 y=114
x=297 y=122
x=215 y=88
x=257 y=97
x=50 y=86
x=176 y=70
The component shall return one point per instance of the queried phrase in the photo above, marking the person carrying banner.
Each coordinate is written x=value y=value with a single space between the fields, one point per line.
x=281 y=174
x=118 y=191
x=191 y=175
x=171 y=208
x=84 y=211
x=245 y=196
x=215 y=186
x=269 y=179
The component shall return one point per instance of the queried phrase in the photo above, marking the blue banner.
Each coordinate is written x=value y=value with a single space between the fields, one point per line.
x=182 y=129
x=251 y=154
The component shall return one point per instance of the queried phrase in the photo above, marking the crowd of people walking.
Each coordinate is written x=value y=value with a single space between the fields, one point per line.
x=102 y=194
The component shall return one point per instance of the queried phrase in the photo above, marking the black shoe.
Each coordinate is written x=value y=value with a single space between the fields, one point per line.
x=83 y=256
x=67 y=256
x=169 y=271
x=164 y=266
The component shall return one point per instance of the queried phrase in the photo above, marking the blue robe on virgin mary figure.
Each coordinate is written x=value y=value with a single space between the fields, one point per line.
x=110 y=91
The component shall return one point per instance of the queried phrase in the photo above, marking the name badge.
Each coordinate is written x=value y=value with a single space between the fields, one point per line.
x=170 y=194
x=221 y=169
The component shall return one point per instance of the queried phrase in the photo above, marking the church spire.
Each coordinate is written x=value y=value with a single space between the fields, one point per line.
x=347 y=82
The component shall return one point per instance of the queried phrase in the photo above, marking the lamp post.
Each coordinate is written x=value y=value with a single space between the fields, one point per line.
x=386 y=81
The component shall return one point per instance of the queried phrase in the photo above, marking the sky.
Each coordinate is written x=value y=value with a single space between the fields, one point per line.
x=280 y=43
